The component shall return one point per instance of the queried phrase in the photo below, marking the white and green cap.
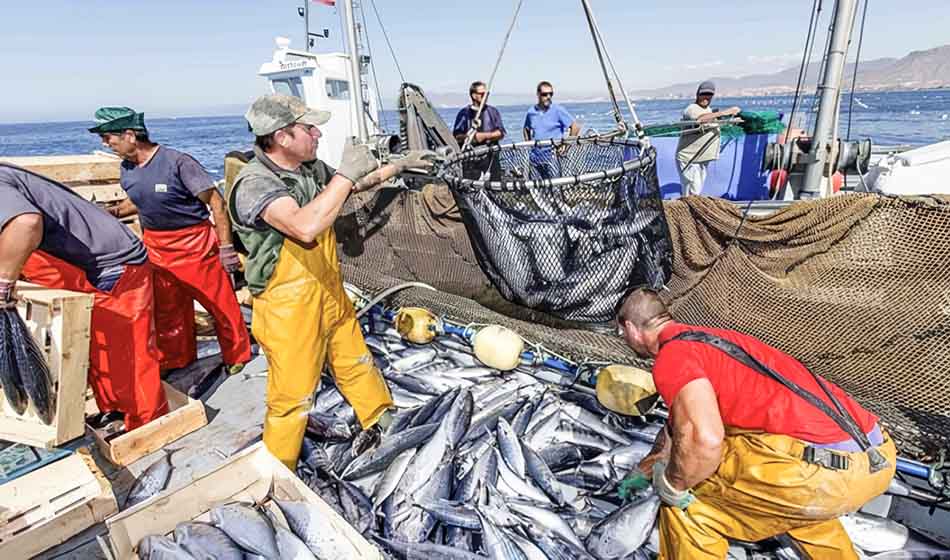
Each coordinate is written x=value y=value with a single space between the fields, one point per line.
x=270 y=113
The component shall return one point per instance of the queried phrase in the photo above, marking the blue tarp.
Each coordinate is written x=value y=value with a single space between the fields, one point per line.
x=736 y=175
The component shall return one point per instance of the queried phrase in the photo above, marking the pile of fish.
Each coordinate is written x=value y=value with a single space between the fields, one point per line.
x=479 y=463
x=300 y=531
x=24 y=374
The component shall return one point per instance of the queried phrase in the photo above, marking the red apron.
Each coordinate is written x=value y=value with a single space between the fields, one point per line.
x=187 y=268
x=123 y=358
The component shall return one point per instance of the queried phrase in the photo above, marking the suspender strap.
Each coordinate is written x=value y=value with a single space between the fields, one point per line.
x=840 y=416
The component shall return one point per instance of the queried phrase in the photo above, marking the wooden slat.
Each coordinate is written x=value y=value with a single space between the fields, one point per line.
x=46 y=507
x=186 y=415
x=59 y=321
x=112 y=192
x=87 y=168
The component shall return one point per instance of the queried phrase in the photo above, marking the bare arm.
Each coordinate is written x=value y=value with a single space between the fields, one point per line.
x=574 y=129
x=19 y=238
x=730 y=112
x=697 y=433
x=527 y=133
x=222 y=222
x=124 y=208
x=660 y=452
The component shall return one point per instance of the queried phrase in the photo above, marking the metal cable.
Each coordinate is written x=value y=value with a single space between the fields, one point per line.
x=388 y=43
x=857 y=61
x=610 y=62
x=473 y=126
x=806 y=58
x=372 y=68
x=618 y=116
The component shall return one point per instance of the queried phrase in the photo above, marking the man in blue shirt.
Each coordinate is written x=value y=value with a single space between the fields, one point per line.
x=546 y=121
x=488 y=130
x=171 y=193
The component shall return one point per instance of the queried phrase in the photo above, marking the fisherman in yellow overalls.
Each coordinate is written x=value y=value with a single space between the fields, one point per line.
x=283 y=205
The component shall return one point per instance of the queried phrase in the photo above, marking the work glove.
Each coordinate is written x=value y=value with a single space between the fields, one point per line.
x=370 y=437
x=7 y=293
x=357 y=162
x=415 y=159
x=670 y=496
x=634 y=482
x=229 y=258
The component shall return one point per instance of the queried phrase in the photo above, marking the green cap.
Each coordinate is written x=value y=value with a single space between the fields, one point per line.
x=117 y=119
x=270 y=113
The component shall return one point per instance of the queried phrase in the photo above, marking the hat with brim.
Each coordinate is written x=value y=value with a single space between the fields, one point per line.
x=706 y=88
x=117 y=119
x=270 y=113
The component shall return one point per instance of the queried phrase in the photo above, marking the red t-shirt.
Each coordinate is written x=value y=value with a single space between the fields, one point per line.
x=747 y=399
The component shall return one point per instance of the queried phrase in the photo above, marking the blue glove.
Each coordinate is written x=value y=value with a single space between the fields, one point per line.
x=670 y=496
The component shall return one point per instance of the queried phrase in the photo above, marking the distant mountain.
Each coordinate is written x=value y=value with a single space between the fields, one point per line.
x=927 y=69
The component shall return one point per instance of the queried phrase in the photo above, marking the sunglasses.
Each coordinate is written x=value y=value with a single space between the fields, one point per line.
x=546 y=94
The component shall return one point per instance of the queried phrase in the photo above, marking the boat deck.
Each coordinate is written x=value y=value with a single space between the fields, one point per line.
x=235 y=409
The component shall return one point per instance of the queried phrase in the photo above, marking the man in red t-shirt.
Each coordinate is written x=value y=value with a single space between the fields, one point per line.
x=743 y=455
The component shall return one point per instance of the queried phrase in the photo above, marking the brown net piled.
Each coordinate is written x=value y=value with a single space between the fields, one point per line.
x=856 y=286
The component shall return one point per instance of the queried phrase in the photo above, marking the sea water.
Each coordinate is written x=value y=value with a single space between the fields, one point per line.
x=911 y=118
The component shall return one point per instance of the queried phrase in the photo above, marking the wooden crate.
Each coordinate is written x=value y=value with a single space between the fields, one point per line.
x=59 y=321
x=247 y=476
x=185 y=416
x=72 y=169
x=48 y=506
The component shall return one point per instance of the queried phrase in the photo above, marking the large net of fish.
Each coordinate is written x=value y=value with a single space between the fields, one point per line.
x=569 y=226
x=856 y=286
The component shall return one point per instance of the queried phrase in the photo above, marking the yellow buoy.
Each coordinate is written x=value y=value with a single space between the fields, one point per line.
x=417 y=325
x=626 y=389
x=498 y=347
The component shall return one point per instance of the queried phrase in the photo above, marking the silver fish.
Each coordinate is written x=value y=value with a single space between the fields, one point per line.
x=248 y=527
x=413 y=358
x=459 y=418
x=547 y=519
x=497 y=545
x=625 y=530
x=158 y=547
x=310 y=524
x=153 y=480
x=290 y=546
x=391 y=477
x=513 y=485
x=206 y=542
x=391 y=446
x=528 y=548
x=427 y=551
x=541 y=474
x=510 y=447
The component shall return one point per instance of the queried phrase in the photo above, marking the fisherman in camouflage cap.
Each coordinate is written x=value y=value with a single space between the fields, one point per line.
x=283 y=205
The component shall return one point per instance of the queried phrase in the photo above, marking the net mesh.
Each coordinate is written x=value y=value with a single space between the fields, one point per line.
x=856 y=286
x=566 y=227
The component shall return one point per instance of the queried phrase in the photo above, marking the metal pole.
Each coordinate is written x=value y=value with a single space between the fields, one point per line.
x=823 y=139
x=356 y=83
x=306 y=25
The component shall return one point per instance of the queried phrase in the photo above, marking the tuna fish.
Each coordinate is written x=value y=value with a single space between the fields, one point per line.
x=152 y=481
x=248 y=527
x=206 y=542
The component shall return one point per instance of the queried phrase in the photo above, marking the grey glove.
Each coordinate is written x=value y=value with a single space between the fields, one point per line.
x=415 y=159
x=357 y=162
x=680 y=499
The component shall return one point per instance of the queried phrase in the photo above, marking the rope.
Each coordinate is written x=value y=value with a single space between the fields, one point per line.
x=633 y=114
x=392 y=52
x=473 y=126
x=618 y=116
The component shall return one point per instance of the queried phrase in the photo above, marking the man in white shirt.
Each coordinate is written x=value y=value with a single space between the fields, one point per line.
x=697 y=148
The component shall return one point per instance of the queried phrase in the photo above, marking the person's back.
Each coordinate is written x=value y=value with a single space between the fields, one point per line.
x=747 y=399
x=74 y=230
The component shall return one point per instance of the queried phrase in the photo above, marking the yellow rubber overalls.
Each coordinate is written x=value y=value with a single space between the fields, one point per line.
x=763 y=488
x=301 y=320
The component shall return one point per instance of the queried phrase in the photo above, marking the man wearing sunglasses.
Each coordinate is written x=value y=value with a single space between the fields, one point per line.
x=488 y=130
x=547 y=121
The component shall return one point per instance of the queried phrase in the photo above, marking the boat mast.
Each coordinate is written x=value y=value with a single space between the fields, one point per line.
x=823 y=140
x=356 y=83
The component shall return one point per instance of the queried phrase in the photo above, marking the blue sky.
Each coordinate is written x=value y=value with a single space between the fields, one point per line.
x=63 y=58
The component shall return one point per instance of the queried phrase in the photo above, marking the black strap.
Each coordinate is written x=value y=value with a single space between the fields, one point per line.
x=841 y=417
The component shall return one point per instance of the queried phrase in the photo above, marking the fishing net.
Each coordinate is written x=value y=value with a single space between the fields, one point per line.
x=856 y=286
x=753 y=122
x=566 y=227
